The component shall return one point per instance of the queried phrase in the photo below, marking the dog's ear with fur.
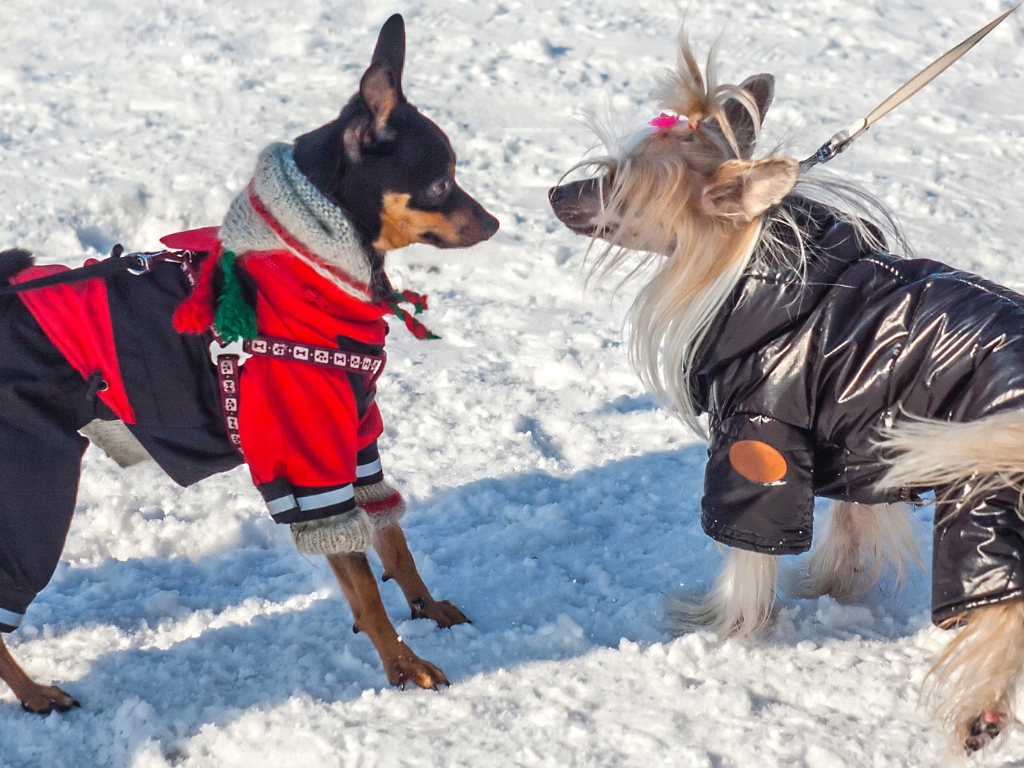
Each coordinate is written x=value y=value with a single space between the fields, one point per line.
x=380 y=90
x=762 y=89
x=741 y=190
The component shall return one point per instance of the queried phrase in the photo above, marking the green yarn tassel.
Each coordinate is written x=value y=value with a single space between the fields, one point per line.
x=235 y=319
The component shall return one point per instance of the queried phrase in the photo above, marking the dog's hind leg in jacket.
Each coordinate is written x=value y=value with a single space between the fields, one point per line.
x=43 y=401
x=977 y=469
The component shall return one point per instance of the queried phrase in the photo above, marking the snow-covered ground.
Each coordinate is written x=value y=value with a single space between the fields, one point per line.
x=550 y=498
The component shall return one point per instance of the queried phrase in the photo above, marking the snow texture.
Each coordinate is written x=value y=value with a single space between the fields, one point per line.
x=550 y=498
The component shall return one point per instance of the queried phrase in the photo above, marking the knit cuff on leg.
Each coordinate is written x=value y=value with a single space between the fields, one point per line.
x=382 y=503
x=341 y=534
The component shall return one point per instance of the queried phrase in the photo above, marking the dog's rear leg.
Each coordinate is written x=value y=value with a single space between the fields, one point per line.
x=399 y=564
x=857 y=542
x=974 y=682
x=738 y=604
x=41 y=699
x=401 y=665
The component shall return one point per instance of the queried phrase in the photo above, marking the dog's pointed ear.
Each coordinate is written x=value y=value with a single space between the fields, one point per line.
x=390 y=50
x=380 y=89
x=380 y=93
x=381 y=86
x=762 y=89
x=741 y=190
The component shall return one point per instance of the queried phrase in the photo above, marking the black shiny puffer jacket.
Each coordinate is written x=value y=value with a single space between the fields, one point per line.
x=816 y=366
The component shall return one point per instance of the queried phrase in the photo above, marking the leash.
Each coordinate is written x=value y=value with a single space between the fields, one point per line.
x=842 y=140
x=243 y=342
x=229 y=358
x=118 y=262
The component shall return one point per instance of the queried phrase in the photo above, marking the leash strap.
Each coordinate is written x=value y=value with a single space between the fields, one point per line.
x=842 y=140
x=227 y=378
x=135 y=263
x=325 y=357
x=229 y=358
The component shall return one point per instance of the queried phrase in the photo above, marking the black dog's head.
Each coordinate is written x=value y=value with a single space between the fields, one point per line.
x=389 y=167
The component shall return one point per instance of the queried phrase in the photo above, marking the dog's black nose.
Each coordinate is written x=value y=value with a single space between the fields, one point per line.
x=490 y=225
x=556 y=193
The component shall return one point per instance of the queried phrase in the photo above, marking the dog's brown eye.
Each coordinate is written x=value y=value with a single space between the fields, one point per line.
x=438 y=191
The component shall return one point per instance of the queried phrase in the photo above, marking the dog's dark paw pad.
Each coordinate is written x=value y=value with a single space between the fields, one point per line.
x=984 y=730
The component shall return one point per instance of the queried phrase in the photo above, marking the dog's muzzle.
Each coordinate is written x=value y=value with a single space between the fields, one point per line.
x=578 y=205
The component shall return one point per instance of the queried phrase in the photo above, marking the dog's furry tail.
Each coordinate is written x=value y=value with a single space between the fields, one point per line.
x=12 y=262
x=933 y=454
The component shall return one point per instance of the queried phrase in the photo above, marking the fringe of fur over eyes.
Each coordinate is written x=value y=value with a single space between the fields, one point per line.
x=653 y=210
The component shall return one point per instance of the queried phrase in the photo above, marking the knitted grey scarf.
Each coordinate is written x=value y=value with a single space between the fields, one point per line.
x=308 y=217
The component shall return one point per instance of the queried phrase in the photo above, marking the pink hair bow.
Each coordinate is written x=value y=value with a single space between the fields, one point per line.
x=664 y=121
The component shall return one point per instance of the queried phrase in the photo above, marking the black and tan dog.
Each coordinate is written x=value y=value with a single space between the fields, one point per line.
x=295 y=277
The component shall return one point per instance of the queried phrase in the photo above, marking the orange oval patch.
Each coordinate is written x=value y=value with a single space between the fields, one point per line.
x=757 y=461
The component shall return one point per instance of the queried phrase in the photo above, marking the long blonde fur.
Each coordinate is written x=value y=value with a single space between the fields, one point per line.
x=858 y=543
x=655 y=208
x=931 y=454
x=739 y=603
x=979 y=671
x=656 y=218
x=686 y=91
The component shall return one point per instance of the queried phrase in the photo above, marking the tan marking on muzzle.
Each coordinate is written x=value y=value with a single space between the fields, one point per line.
x=401 y=225
x=757 y=461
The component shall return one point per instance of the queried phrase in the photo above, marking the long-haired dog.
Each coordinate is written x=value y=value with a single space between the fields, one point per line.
x=826 y=367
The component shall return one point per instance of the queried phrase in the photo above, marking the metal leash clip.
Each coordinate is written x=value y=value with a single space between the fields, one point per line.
x=838 y=143
x=144 y=261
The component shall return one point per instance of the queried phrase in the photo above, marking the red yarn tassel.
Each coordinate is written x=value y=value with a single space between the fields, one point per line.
x=195 y=314
x=418 y=300
x=416 y=328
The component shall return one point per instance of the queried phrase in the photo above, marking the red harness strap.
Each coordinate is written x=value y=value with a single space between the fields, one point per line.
x=230 y=358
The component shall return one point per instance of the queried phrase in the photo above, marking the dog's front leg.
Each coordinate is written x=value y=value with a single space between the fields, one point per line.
x=41 y=699
x=399 y=565
x=739 y=604
x=359 y=586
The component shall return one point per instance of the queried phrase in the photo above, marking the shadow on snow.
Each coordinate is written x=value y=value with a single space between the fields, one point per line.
x=546 y=567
